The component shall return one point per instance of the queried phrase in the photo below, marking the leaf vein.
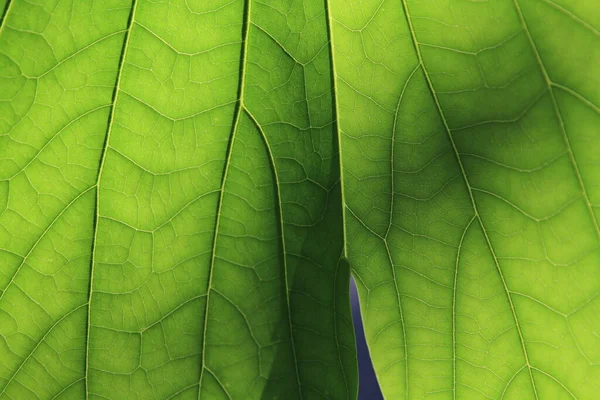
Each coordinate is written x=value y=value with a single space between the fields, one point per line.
x=470 y=190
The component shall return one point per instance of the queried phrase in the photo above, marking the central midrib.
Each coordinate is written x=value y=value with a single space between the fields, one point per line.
x=472 y=198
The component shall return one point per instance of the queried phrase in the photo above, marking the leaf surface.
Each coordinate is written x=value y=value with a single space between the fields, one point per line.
x=184 y=183
x=170 y=220
x=471 y=168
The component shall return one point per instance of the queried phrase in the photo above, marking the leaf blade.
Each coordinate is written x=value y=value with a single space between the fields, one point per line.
x=418 y=209
x=158 y=198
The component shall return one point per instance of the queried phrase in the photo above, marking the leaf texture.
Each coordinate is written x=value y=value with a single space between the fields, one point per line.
x=170 y=221
x=470 y=152
x=184 y=186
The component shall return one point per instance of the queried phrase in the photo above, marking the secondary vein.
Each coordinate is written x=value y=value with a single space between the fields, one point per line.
x=98 y=186
x=454 y=289
x=237 y=117
x=561 y=123
x=283 y=247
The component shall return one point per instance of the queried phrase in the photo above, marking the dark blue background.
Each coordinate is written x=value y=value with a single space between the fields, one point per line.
x=368 y=388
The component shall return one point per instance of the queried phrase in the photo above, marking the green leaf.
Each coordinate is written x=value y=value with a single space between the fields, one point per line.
x=185 y=184
x=471 y=167
x=170 y=211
